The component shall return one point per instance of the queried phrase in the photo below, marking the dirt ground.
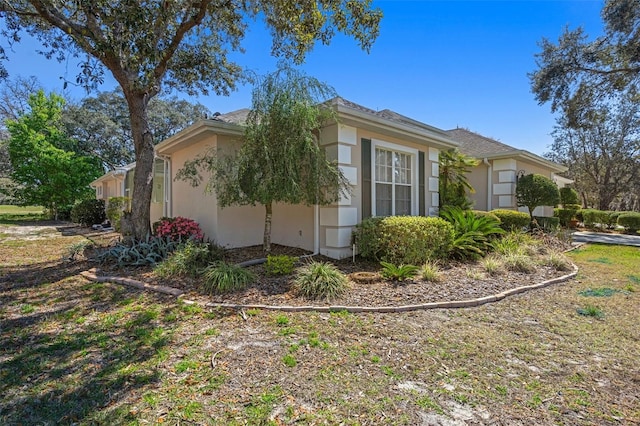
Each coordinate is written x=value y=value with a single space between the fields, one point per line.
x=76 y=352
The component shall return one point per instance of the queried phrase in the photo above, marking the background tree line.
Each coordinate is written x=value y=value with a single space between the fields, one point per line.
x=95 y=128
x=593 y=85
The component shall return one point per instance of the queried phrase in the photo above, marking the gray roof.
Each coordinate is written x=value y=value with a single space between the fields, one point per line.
x=234 y=117
x=389 y=115
x=479 y=146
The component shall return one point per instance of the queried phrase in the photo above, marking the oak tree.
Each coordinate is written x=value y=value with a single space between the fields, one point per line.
x=160 y=44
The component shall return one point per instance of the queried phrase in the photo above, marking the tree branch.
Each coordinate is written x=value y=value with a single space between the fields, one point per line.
x=184 y=27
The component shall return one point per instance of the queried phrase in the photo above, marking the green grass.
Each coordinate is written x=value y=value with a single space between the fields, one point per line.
x=9 y=214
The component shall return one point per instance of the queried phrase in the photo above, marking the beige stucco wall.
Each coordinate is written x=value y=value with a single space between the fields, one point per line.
x=478 y=181
x=504 y=182
x=189 y=201
x=235 y=226
x=343 y=144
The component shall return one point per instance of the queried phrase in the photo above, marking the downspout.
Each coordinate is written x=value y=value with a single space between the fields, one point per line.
x=489 y=183
x=316 y=230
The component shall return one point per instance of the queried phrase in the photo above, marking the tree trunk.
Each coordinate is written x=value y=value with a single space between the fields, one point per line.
x=143 y=174
x=266 y=245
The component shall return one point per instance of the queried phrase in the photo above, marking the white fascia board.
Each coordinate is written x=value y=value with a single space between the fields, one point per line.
x=197 y=129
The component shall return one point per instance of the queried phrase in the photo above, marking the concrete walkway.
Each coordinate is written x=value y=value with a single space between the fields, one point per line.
x=602 y=238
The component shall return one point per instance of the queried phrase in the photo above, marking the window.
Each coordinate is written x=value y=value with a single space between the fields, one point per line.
x=157 y=194
x=394 y=179
x=99 y=191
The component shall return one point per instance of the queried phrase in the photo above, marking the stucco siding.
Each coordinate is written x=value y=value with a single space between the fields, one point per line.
x=193 y=202
x=478 y=180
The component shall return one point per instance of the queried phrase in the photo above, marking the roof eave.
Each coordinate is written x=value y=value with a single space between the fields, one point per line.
x=384 y=126
x=559 y=168
x=196 y=131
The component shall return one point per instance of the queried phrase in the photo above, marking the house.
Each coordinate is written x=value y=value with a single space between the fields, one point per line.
x=116 y=183
x=495 y=178
x=390 y=160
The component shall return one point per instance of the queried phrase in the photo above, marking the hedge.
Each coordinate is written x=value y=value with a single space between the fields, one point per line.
x=512 y=219
x=404 y=239
x=88 y=212
x=630 y=221
x=593 y=217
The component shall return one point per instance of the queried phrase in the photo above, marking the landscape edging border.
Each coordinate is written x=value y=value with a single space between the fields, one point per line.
x=469 y=303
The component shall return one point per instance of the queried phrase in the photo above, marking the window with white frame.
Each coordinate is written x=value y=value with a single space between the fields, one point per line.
x=395 y=189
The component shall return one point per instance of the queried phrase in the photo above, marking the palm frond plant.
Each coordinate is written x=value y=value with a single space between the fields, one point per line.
x=474 y=234
x=398 y=273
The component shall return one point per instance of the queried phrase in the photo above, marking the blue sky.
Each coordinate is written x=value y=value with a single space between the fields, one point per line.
x=446 y=63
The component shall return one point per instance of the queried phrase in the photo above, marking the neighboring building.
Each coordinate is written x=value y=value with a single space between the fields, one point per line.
x=116 y=183
x=495 y=178
x=390 y=160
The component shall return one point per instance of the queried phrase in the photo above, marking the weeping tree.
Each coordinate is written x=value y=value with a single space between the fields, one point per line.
x=159 y=45
x=280 y=160
x=453 y=182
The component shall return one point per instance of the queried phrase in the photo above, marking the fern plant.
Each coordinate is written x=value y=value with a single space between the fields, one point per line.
x=473 y=234
x=398 y=273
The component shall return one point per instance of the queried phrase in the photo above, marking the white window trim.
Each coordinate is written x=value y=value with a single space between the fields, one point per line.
x=415 y=187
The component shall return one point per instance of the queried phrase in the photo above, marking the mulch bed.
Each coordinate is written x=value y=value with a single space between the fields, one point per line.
x=458 y=281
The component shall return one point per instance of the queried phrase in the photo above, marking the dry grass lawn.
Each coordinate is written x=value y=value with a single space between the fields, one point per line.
x=76 y=352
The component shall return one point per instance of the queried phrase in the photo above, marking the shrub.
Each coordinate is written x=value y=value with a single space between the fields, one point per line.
x=630 y=221
x=593 y=217
x=178 y=229
x=115 y=208
x=568 y=196
x=137 y=253
x=367 y=238
x=222 y=277
x=519 y=262
x=473 y=234
x=63 y=213
x=482 y=213
x=565 y=214
x=188 y=259
x=557 y=261
x=320 y=280
x=511 y=219
x=547 y=224
x=398 y=273
x=88 y=212
x=280 y=265
x=612 y=219
x=431 y=271
x=404 y=239
x=536 y=190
